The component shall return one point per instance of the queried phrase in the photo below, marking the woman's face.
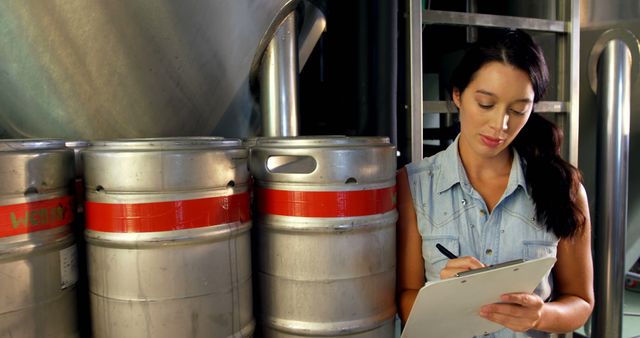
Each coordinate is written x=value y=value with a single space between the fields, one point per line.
x=493 y=109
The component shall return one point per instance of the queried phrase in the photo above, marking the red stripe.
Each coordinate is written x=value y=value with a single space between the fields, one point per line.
x=325 y=203
x=167 y=216
x=18 y=219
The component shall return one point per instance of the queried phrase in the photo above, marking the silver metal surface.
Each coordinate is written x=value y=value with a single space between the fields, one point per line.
x=573 y=41
x=190 y=282
x=279 y=82
x=180 y=165
x=77 y=147
x=608 y=12
x=99 y=70
x=489 y=20
x=30 y=168
x=325 y=276
x=540 y=107
x=38 y=294
x=314 y=24
x=472 y=32
x=613 y=160
x=414 y=78
x=331 y=161
x=621 y=34
x=591 y=38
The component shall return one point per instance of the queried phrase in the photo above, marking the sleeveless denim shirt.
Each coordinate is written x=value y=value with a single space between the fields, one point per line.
x=451 y=212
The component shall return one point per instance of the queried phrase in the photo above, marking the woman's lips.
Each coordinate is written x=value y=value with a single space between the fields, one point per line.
x=490 y=141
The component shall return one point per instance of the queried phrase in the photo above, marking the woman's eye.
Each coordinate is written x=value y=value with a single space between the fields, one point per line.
x=517 y=112
x=485 y=106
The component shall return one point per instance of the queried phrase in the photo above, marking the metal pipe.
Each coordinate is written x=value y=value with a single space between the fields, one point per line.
x=472 y=32
x=414 y=81
x=614 y=79
x=279 y=82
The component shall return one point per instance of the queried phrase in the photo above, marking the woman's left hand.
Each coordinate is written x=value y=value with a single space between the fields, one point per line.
x=519 y=312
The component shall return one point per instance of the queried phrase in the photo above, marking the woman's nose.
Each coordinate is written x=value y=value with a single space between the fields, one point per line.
x=501 y=121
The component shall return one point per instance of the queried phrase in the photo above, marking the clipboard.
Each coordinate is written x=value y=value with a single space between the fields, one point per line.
x=450 y=307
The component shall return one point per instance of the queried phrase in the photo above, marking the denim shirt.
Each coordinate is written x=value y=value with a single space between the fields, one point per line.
x=451 y=212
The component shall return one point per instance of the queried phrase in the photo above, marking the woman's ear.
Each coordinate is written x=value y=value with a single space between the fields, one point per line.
x=456 y=97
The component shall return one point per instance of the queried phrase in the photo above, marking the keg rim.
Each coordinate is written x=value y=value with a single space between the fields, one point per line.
x=165 y=143
x=322 y=141
x=10 y=145
x=77 y=144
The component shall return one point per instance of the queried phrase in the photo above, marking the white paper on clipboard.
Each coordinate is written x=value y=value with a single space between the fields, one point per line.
x=450 y=308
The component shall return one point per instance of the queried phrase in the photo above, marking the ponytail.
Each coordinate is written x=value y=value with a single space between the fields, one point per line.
x=553 y=183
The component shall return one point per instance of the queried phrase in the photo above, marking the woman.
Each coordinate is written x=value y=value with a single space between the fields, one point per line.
x=500 y=192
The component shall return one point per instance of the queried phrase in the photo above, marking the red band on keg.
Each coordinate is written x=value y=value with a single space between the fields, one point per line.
x=325 y=203
x=167 y=216
x=24 y=218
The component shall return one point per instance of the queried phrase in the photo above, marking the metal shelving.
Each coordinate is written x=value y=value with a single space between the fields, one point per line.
x=567 y=30
x=433 y=17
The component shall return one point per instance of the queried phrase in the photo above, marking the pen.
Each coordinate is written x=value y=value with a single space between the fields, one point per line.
x=445 y=252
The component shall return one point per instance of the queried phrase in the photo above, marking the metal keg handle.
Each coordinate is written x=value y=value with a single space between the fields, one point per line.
x=291 y=164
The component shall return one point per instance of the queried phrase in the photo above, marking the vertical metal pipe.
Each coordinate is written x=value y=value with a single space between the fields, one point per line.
x=472 y=32
x=614 y=79
x=279 y=82
x=414 y=83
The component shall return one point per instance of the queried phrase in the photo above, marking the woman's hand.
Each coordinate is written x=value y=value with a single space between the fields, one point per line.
x=458 y=265
x=519 y=312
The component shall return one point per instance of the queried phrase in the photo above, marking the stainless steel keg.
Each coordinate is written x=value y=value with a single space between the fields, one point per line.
x=325 y=230
x=37 y=254
x=168 y=238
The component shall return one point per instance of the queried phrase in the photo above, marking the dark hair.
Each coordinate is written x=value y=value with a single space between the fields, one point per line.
x=552 y=182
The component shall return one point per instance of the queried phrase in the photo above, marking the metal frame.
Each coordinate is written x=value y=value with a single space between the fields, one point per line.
x=415 y=77
x=573 y=38
x=568 y=29
x=559 y=107
x=489 y=20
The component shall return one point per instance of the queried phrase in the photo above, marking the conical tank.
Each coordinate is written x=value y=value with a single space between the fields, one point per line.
x=130 y=68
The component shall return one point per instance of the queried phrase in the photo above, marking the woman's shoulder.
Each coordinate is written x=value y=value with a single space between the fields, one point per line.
x=431 y=164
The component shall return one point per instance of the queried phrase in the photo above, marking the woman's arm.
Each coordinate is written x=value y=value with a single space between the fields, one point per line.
x=410 y=273
x=573 y=275
x=573 y=287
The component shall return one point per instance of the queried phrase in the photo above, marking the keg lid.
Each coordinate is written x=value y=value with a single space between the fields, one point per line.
x=166 y=143
x=30 y=144
x=321 y=141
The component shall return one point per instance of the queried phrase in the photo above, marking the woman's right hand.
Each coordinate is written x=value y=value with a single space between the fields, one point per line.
x=460 y=264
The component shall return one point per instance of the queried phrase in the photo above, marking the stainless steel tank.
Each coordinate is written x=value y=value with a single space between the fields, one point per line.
x=122 y=68
x=325 y=236
x=37 y=254
x=168 y=238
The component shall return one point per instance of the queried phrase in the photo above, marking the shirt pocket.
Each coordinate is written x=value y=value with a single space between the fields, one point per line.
x=539 y=248
x=435 y=260
x=445 y=210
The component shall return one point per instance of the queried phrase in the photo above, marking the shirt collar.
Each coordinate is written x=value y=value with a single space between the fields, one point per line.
x=451 y=171
x=516 y=176
x=450 y=176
